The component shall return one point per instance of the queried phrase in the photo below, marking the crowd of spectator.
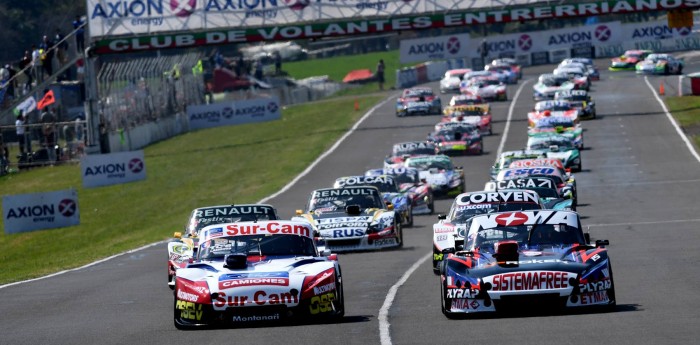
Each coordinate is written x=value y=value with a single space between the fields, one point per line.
x=38 y=63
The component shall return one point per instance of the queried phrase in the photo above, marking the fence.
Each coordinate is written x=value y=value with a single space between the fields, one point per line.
x=67 y=139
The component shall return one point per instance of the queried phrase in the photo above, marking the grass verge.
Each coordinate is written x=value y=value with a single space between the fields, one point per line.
x=685 y=111
x=239 y=164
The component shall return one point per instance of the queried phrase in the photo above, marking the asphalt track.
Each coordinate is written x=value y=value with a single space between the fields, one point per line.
x=639 y=189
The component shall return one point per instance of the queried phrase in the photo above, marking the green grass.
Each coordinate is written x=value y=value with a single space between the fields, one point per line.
x=239 y=164
x=336 y=68
x=686 y=111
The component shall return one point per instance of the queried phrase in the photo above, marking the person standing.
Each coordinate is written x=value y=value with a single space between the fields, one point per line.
x=258 y=69
x=48 y=121
x=79 y=26
x=21 y=131
x=484 y=50
x=47 y=56
x=25 y=65
x=278 y=63
x=380 y=74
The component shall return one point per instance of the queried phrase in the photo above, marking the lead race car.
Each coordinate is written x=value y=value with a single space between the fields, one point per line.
x=257 y=271
x=524 y=261
x=449 y=231
x=352 y=218
x=183 y=247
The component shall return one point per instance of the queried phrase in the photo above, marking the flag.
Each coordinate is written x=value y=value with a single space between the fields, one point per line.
x=47 y=100
x=27 y=106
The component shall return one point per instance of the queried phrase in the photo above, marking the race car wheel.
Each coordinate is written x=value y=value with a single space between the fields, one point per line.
x=445 y=301
x=611 y=292
x=399 y=231
x=339 y=303
x=680 y=70
x=179 y=323
x=666 y=70
x=436 y=263
x=431 y=205
x=170 y=280
x=409 y=221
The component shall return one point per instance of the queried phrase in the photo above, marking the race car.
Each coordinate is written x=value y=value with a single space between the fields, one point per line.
x=576 y=74
x=660 y=64
x=450 y=228
x=549 y=84
x=504 y=73
x=410 y=183
x=525 y=260
x=514 y=66
x=353 y=218
x=552 y=108
x=257 y=271
x=183 y=247
x=628 y=60
x=401 y=151
x=450 y=82
x=557 y=146
x=458 y=101
x=560 y=125
x=444 y=178
x=486 y=87
x=457 y=138
x=545 y=187
x=504 y=160
x=562 y=181
x=388 y=187
x=563 y=176
x=418 y=101
x=579 y=99
x=591 y=69
x=469 y=115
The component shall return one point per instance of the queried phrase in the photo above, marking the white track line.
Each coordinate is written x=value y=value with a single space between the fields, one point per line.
x=384 y=334
x=673 y=121
x=325 y=154
x=650 y=223
x=82 y=267
x=285 y=188
x=510 y=116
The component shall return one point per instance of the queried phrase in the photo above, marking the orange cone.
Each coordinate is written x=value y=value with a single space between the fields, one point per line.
x=357 y=105
x=661 y=89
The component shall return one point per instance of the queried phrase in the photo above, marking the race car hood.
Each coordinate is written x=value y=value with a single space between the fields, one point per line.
x=265 y=280
x=436 y=177
x=559 y=269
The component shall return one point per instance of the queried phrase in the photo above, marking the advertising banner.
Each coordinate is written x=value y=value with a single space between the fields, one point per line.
x=112 y=168
x=29 y=212
x=434 y=48
x=233 y=112
x=139 y=25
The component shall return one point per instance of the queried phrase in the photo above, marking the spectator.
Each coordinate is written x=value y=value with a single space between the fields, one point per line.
x=37 y=69
x=61 y=48
x=12 y=72
x=258 y=69
x=25 y=65
x=240 y=66
x=380 y=74
x=22 y=133
x=48 y=121
x=79 y=26
x=278 y=63
x=484 y=51
x=47 y=56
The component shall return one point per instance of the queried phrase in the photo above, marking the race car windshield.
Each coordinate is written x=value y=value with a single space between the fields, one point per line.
x=468 y=112
x=576 y=98
x=418 y=93
x=544 y=235
x=544 y=193
x=486 y=82
x=338 y=203
x=426 y=149
x=554 y=122
x=563 y=145
x=384 y=187
x=259 y=245
x=468 y=101
x=461 y=214
x=406 y=178
x=203 y=221
x=430 y=164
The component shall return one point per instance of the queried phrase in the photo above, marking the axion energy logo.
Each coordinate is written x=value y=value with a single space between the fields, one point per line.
x=525 y=42
x=602 y=33
x=432 y=48
x=453 y=45
x=182 y=8
x=297 y=5
x=29 y=212
x=113 y=168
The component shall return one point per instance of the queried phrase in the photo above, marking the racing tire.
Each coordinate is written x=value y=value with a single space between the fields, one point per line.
x=409 y=222
x=680 y=70
x=666 y=70
x=490 y=130
x=339 y=305
x=611 y=293
x=436 y=263
x=431 y=205
x=181 y=325
x=170 y=279
x=443 y=300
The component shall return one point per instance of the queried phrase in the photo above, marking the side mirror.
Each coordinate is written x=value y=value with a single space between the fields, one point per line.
x=390 y=206
x=448 y=251
x=299 y=212
x=326 y=252
x=442 y=216
x=602 y=243
x=177 y=234
x=568 y=195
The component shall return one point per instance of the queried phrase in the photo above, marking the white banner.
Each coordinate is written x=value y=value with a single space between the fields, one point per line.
x=112 y=168
x=435 y=48
x=233 y=112
x=29 y=212
x=652 y=31
x=26 y=106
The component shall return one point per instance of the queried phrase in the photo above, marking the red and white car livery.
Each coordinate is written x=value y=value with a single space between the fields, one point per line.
x=526 y=260
x=418 y=101
x=257 y=271
x=486 y=87
x=450 y=82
